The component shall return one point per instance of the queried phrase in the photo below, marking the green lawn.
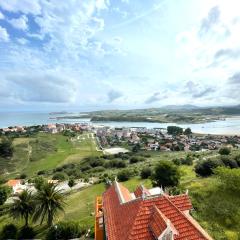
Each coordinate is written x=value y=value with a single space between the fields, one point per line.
x=66 y=152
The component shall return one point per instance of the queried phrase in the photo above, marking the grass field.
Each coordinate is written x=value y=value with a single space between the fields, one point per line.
x=29 y=159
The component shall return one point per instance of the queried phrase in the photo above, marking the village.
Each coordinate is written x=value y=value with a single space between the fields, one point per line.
x=154 y=139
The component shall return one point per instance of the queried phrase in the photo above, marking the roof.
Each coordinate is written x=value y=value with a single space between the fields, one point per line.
x=13 y=182
x=140 y=191
x=146 y=218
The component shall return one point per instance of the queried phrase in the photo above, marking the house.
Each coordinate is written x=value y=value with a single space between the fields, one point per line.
x=145 y=215
x=16 y=185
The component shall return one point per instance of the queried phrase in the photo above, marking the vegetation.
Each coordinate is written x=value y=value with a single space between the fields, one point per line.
x=49 y=201
x=224 y=151
x=9 y=231
x=22 y=207
x=6 y=148
x=4 y=192
x=146 y=172
x=65 y=230
x=174 y=130
x=166 y=174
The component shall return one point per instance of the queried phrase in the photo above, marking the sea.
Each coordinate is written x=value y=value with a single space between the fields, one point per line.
x=229 y=126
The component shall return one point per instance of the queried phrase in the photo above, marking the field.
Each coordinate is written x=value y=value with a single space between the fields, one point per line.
x=46 y=151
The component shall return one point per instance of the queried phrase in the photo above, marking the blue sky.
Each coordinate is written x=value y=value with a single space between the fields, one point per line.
x=104 y=54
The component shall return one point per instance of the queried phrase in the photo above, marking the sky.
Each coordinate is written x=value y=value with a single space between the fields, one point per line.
x=118 y=54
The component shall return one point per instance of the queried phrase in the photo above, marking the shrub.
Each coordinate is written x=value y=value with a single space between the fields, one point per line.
x=71 y=182
x=26 y=233
x=224 y=151
x=9 y=231
x=229 y=162
x=188 y=160
x=206 y=168
x=146 y=172
x=123 y=175
x=65 y=230
x=136 y=159
x=166 y=174
x=23 y=176
x=59 y=176
x=41 y=172
x=3 y=194
x=177 y=161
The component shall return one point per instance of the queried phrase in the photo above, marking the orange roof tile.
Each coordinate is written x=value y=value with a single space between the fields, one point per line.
x=13 y=182
x=143 y=219
x=140 y=191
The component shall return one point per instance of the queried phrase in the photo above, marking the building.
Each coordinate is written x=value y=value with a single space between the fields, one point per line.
x=16 y=185
x=146 y=214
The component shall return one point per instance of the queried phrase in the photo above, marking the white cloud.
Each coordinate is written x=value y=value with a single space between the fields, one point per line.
x=22 y=41
x=4 y=35
x=1 y=16
x=19 y=23
x=102 y=4
x=24 y=6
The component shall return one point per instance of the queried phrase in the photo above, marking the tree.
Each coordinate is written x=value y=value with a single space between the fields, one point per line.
x=123 y=175
x=26 y=233
x=174 y=130
x=224 y=151
x=59 y=176
x=146 y=172
x=206 y=168
x=6 y=148
x=22 y=207
x=49 y=201
x=39 y=182
x=166 y=174
x=71 y=182
x=188 y=131
x=3 y=195
x=9 y=231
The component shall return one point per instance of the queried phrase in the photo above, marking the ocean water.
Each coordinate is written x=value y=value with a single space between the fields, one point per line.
x=228 y=126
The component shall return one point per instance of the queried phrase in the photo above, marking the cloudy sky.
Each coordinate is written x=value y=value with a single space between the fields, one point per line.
x=102 y=54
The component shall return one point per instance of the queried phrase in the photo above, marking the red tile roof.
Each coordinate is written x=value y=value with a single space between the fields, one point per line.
x=140 y=191
x=143 y=218
x=13 y=182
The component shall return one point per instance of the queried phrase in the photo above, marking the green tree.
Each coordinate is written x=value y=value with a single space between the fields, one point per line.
x=124 y=175
x=188 y=131
x=4 y=191
x=6 y=148
x=174 y=130
x=49 y=202
x=146 y=172
x=224 y=151
x=71 y=182
x=9 y=231
x=166 y=174
x=22 y=207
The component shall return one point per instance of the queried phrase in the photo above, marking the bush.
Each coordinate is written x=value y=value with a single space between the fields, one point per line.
x=146 y=172
x=206 y=168
x=177 y=161
x=224 y=151
x=166 y=174
x=229 y=162
x=23 y=176
x=65 y=230
x=136 y=159
x=9 y=231
x=41 y=172
x=4 y=191
x=59 y=176
x=123 y=175
x=26 y=233
x=188 y=160
x=71 y=182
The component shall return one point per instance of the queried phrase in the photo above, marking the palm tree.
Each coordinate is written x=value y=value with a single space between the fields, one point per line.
x=49 y=201
x=23 y=206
